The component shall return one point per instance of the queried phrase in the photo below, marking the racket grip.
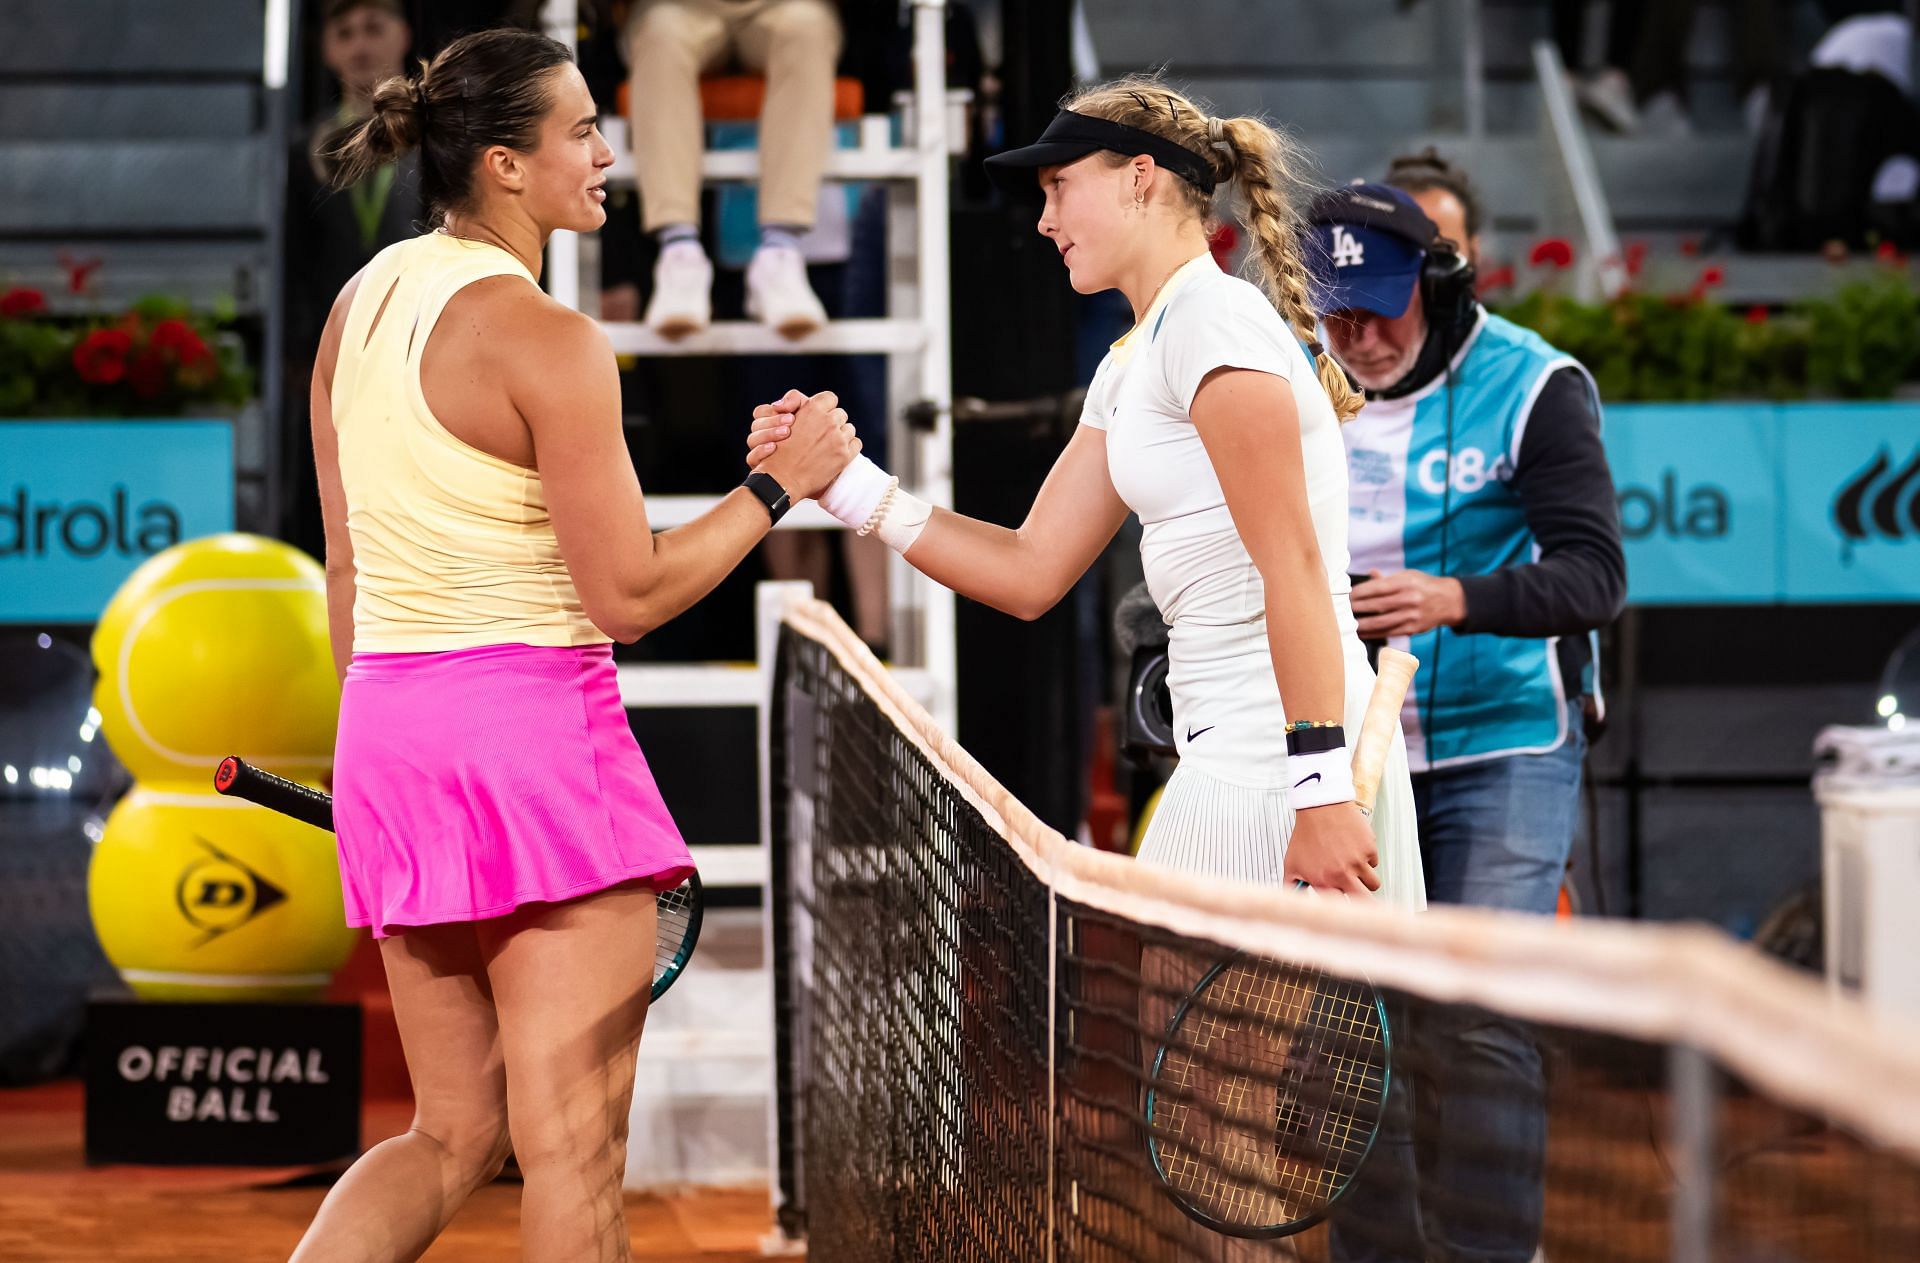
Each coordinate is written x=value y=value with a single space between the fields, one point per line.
x=239 y=779
x=1393 y=676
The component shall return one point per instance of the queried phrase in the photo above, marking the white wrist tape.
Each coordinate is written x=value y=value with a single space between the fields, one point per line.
x=903 y=520
x=856 y=493
x=1320 y=779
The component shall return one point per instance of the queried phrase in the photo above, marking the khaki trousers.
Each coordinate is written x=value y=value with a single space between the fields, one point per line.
x=670 y=43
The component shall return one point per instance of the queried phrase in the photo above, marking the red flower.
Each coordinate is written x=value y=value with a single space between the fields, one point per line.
x=171 y=334
x=101 y=357
x=1557 y=251
x=1712 y=276
x=1757 y=314
x=148 y=373
x=21 y=301
x=1690 y=246
x=178 y=337
x=1636 y=256
x=1887 y=252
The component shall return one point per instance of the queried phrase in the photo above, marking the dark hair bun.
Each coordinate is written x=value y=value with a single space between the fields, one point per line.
x=399 y=111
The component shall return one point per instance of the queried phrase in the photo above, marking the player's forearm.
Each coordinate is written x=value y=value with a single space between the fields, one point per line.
x=1304 y=638
x=689 y=561
x=340 y=592
x=991 y=564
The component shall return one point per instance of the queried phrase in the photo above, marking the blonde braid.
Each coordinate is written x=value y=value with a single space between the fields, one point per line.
x=1266 y=165
x=1263 y=160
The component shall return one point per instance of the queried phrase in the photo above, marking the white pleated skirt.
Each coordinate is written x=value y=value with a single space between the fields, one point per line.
x=1224 y=812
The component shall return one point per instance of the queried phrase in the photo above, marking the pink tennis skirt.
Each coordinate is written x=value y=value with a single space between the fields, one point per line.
x=470 y=782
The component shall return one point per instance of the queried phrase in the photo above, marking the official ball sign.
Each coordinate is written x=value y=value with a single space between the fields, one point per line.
x=84 y=502
x=222 y=1084
x=1748 y=503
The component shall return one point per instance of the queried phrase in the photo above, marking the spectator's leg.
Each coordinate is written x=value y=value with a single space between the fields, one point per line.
x=1569 y=25
x=1757 y=56
x=1377 y=1219
x=867 y=581
x=1496 y=834
x=796 y=43
x=800 y=555
x=1625 y=20
x=1756 y=42
x=1659 y=56
x=1607 y=94
x=669 y=42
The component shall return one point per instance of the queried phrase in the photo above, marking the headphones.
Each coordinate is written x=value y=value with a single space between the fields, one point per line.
x=1447 y=281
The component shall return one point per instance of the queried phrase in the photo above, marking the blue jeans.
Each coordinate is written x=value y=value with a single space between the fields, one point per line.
x=1457 y=1171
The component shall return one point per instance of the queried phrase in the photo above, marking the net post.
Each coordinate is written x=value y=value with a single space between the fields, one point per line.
x=1694 y=1085
x=770 y=604
x=1053 y=1071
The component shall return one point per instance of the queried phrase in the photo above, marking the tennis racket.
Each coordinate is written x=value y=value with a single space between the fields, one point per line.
x=1265 y=1095
x=680 y=909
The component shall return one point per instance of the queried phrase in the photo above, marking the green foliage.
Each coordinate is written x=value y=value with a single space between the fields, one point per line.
x=1860 y=343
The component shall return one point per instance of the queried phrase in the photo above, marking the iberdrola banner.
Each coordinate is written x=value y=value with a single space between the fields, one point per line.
x=1804 y=503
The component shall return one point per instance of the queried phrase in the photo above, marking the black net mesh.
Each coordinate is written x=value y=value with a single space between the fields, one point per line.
x=913 y=993
x=973 y=1067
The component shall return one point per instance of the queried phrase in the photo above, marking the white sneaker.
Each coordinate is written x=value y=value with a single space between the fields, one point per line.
x=682 y=301
x=1608 y=96
x=1664 y=117
x=778 y=294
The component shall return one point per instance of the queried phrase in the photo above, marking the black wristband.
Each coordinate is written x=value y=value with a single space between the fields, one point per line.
x=1314 y=740
x=768 y=490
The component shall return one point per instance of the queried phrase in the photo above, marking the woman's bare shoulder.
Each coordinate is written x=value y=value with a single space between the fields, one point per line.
x=529 y=326
x=539 y=350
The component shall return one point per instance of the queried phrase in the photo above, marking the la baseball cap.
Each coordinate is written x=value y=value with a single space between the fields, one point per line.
x=1367 y=245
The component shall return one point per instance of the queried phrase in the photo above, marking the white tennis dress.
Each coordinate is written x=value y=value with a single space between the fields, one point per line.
x=1225 y=811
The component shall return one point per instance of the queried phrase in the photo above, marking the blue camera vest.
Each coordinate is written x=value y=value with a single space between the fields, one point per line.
x=1422 y=502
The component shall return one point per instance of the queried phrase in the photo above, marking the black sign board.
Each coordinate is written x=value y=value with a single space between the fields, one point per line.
x=222 y=1084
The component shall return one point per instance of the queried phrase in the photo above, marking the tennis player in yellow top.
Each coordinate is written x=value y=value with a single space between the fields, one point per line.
x=499 y=830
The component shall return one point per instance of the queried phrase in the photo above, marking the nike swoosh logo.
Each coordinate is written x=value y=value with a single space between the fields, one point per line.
x=1306 y=780
x=1191 y=734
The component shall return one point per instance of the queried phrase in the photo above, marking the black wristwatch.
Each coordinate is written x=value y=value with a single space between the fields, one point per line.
x=771 y=494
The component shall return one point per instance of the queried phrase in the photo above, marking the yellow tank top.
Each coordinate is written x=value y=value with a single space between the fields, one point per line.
x=452 y=546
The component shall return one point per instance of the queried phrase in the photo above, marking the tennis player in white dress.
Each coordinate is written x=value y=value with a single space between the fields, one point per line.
x=1216 y=420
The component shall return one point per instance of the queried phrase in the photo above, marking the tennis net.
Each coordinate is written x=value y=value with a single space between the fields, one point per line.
x=993 y=1044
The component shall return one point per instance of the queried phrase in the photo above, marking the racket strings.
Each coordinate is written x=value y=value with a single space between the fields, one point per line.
x=1267 y=1093
x=678 y=913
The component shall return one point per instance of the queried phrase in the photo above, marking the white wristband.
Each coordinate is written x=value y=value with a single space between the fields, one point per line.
x=1320 y=779
x=903 y=520
x=856 y=493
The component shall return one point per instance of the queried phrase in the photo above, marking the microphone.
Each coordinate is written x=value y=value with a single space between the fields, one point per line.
x=1137 y=622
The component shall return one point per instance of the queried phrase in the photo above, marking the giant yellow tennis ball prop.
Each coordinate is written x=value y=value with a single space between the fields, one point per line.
x=199 y=897
x=218 y=646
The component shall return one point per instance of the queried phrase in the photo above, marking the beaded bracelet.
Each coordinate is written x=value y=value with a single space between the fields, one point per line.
x=1316 y=738
x=879 y=510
